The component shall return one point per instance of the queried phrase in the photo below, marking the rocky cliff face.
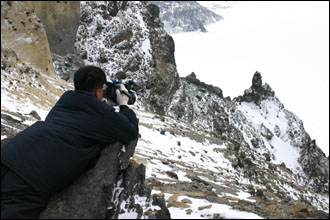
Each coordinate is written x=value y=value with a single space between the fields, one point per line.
x=127 y=40
x=196 y=145
x=61 y=20
x=24 y=34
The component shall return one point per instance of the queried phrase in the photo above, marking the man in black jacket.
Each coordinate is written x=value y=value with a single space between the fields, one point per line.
x=50 y=154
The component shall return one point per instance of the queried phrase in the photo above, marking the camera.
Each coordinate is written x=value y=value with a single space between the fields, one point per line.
x=109 y=91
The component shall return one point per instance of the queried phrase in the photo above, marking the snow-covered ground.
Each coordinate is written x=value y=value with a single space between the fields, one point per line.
x=162 y=150
x=207 y=213
x=156 y=148
x=271 y=117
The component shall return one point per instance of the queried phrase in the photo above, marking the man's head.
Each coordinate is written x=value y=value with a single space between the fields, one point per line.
x=91 y=79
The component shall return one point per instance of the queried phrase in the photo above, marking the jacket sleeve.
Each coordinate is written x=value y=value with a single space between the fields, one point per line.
x=127 y=127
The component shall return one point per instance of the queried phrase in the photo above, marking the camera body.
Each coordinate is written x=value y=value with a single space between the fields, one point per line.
x=109 y=92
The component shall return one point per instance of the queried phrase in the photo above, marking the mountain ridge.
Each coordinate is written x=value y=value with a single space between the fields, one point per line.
x=185 y=16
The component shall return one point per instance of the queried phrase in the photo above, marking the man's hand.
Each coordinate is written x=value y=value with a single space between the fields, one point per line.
x=122 y=99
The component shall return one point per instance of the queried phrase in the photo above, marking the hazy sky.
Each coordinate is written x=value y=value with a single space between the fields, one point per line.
x=287 y=42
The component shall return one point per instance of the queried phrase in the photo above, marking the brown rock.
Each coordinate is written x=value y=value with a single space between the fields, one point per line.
x=29 y=41
x=61 y=20
x=298 y=209
x=186 y=201
x=35 y=114
x=188 y=211
x=172 y=202
x=204 y=207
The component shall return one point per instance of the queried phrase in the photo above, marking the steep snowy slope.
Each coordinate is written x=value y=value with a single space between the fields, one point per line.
x=188 y=165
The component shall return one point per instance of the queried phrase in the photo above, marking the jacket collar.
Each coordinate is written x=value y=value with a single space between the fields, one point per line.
x=84 y=92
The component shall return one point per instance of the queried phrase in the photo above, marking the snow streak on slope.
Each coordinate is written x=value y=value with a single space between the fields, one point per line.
x=274 y=119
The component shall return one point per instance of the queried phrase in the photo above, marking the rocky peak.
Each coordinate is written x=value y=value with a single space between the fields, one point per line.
x=191 y=78
x=257 y=81
x=257 y=92
x=191 y=75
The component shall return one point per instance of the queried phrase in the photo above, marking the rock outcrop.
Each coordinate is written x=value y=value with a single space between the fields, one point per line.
x=61 y=20
x=164 y=79
x=315 y=165
x=23 y=33
x=113 y=187
x=257 y=92
x=127 y=40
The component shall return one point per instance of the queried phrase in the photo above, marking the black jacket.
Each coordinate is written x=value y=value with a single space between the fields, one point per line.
x=50 y=154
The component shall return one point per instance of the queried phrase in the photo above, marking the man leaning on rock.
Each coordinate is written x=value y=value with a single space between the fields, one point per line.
x=51 y=154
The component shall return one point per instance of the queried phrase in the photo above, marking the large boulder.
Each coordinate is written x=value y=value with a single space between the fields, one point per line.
x=107 y=190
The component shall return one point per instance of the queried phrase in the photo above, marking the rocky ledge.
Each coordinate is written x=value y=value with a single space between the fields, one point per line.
x=113 y=188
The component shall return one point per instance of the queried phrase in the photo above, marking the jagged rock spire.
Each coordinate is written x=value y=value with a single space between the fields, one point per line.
x=257 y=80
x=257 y=92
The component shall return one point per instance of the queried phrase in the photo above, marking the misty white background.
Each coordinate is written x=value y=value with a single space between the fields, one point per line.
x=287 y=42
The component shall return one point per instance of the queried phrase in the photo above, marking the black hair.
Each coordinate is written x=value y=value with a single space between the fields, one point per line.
x=89 y=78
